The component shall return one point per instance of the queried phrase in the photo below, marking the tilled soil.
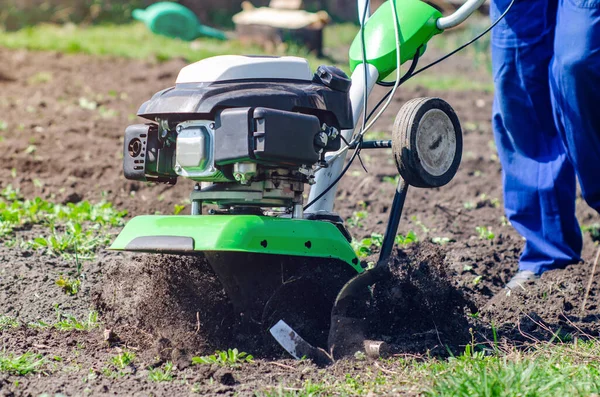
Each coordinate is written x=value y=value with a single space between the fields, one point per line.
x=66 y=116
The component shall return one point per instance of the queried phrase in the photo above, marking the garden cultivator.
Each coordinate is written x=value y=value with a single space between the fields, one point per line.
x=253 y=132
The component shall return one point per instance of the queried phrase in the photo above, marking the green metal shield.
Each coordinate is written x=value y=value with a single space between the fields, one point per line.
x=417 y=25
x=236 y=233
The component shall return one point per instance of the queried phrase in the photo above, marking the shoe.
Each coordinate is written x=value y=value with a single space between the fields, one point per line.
x=520 y=279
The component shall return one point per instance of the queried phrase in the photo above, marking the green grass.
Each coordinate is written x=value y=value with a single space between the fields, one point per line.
x=562 y=370
x=446 y=82
x=135 y=41
x=24 y=364
x=542 y=371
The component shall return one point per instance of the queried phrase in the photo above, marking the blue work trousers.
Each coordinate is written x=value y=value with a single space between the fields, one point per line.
x=546 y=121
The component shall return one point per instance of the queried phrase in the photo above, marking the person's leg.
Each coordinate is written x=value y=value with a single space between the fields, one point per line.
x=575 y=83
x=538 y=179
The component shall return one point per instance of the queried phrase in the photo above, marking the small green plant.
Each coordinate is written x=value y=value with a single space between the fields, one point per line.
x=357 y=218
x=3 y=125
x=162 y=375
x=391 y=179
x=123 y=359
x=74 y=241
x=27 y=363
x=40 y=78
x=593 y=230
x=365 y=247
x=7 y=322
x=469 y=205
x=418 y=222
x=229 y=358
x=178 y=208
x=485 y=233
x=441 y=240
x=403 y=240
x=67 y=322
x=69 y=285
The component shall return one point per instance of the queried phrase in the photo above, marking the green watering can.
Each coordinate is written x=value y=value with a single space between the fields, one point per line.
x=174 y=20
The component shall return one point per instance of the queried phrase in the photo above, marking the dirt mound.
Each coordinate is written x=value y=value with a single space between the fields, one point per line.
x=175 y=303
x=420 y=308
x=557 y=306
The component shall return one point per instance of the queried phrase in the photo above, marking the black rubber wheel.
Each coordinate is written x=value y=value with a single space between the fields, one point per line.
x=427 y=142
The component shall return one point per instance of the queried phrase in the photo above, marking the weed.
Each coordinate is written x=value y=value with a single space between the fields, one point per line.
x=485 y=233
x=357 y=218
x=7 y=322
x=376 y=136
x=469 y=205
x=364 y=247
x=403 y=240
x=593 y=229
x=40 y=78
x=441 y=240
x=27 y=363
x=68 y=322
x=418 y=222
x=87 y=104
x=229 y=358
x=178 y=208
x=3 y=125
x=391 y=179
x=123 y=360
x=69 y=234
x=309 y=389
x=75 y=241
x=160 y=375
x=69 y=285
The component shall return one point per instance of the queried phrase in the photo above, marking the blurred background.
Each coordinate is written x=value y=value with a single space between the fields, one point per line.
x=15 y=14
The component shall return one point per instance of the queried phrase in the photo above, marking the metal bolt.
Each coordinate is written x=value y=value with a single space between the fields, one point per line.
x=333 y=132
x=321 y=139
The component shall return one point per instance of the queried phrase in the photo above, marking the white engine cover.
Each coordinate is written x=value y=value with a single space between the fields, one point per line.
x=239 y=67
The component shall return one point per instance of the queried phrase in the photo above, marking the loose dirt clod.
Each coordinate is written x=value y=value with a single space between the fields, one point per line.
x=420 y=308
x=549 y=308
x=174 y=303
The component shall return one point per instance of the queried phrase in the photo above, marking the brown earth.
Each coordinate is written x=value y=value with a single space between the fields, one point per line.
x=58 y=146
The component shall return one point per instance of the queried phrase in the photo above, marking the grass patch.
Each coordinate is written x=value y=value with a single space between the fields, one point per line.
x=27 y=363
x=444 y=82
x=134 y=40
x=566 y=370
x=543 y=370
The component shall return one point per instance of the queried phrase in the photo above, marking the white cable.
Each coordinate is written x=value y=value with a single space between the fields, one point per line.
x=344 y=149
x=398 y=75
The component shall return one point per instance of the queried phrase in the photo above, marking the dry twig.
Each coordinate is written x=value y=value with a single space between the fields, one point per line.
x=589 y=286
